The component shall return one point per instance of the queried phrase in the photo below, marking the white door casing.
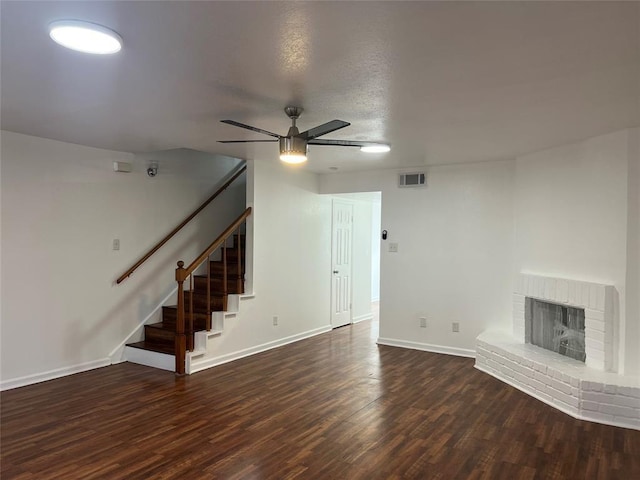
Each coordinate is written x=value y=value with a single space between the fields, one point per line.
x=342 y=234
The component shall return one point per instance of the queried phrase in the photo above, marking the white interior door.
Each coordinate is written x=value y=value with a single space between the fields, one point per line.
x=342 y=230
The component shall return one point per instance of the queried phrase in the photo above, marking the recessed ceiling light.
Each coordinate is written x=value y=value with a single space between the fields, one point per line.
x=380 y=148
x=85 y=37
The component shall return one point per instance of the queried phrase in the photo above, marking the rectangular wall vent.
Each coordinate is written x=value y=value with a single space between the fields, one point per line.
x=417 y=179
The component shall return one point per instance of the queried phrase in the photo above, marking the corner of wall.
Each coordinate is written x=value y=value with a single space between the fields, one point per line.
x=632 y=307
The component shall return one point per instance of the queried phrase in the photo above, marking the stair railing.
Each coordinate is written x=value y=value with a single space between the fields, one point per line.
x=184 y=322
x=157 y=247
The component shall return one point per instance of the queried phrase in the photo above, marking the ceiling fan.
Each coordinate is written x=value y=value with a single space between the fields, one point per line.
x=293 y=145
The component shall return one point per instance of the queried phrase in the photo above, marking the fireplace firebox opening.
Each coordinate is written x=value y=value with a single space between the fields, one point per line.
x=558 y=328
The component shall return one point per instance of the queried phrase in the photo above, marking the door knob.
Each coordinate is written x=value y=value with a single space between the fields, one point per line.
x=336 y=271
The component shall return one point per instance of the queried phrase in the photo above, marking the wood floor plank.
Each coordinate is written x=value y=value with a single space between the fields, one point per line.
x=333 y=406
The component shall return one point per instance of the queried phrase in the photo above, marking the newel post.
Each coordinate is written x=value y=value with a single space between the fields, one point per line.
x=180 y=339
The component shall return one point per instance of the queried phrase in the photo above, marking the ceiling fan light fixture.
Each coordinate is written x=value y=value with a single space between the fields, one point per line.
x=293 y=146
x=379 y=148
x=293 y=158
x=293 y=150
x=85 y=37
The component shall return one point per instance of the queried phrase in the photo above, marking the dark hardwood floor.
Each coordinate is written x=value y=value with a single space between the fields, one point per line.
x=333 y=406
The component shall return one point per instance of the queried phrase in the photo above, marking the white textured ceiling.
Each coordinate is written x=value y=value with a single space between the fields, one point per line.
x=442 y=82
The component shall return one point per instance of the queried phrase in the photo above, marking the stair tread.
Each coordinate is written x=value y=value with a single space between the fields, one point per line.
x=170 y=327
x=213 y=275
x=161 y=326
x=154 y=347
x=175 y=307
x=204 y=294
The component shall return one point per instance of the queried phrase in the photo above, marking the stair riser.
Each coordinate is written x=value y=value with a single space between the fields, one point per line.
x=165 y=336
x=197 y=324
x=169 y=318
x=200 y=303
x=232 y=257
x=243 y=238
x=232 y=251
x=159 y=335
x=216 y=285
x=218 y=268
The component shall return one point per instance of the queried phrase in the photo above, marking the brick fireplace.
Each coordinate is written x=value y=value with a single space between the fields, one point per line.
x=589 y=390
x=597 y=301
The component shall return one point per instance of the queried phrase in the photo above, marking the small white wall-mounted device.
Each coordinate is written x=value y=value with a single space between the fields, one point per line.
x=124 y=167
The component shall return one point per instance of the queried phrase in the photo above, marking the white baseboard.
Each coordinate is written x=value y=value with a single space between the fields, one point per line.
x=52 y=374
x=362 y=318
x=205 y=363
x=426 y=347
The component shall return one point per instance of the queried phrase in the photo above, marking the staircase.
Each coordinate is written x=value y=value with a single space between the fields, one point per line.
x=161 y=337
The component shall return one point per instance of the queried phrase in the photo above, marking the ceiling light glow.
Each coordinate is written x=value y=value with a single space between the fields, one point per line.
x=375 y=148
x=293 y=158
x=85 y=37
x=293 y=149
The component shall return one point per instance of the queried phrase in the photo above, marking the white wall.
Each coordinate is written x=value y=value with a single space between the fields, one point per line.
x=455 y=258
x=571 y=214
x=290 y=236
x=62 y=205
x=632 y=311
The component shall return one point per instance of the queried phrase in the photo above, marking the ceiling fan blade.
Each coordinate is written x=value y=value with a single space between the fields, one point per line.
x=340 y=143
x=249 y=127
x=323 y=129
x=245 y=141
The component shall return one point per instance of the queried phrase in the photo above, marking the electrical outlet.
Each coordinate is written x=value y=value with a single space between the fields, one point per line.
x=275 y=320
x=393 y=247
x=455 y=327
x=423 y=322
x=116 y=244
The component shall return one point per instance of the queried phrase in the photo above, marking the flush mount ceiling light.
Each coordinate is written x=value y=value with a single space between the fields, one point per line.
x=381 y=148
x=85 y=37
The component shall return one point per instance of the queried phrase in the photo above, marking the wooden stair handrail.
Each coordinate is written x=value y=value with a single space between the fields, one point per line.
x=185 y=272
x=179 y=227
